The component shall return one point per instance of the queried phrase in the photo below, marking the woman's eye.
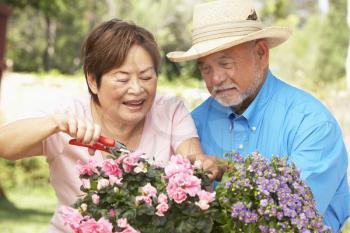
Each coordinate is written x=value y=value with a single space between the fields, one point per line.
x=145 y=77
x=122 y=80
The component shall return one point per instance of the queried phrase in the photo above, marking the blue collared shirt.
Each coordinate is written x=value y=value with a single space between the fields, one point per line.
x=283 y=120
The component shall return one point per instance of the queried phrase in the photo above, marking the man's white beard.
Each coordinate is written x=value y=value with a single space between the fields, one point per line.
x=240 y=97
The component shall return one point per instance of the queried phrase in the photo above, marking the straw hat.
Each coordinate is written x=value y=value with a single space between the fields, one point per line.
x=219 y=25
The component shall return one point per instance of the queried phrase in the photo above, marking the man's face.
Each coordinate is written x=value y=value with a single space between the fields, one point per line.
x=235 y=74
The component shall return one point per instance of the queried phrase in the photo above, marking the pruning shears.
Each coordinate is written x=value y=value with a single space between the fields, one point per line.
x=108 y=145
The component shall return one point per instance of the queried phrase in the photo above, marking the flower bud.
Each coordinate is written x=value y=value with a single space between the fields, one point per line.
x=83 y=207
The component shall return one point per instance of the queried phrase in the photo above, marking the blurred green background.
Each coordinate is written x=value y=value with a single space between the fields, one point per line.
x=43 y=47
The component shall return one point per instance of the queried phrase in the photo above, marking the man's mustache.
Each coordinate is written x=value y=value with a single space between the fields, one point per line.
x=224 y=87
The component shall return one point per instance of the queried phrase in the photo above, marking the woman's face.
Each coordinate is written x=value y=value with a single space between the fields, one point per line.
x=126 y=93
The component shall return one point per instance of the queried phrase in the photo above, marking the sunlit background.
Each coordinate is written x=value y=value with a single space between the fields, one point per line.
x=42 y=56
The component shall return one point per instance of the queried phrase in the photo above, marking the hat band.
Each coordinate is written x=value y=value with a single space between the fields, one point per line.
x=225 y=29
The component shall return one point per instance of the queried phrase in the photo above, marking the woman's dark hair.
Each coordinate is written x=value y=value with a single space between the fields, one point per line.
x=107 y=46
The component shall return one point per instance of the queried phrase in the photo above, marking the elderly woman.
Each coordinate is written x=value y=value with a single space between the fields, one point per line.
x=121 y=62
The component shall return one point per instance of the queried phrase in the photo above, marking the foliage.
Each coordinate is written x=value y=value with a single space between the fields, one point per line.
x=130 y=194
x=315 y=52
x=50 y=6
x=295 y=60
x=31 y=171
x=30 y=211
x=333 y=43
x=51 y=44
x=257 y=195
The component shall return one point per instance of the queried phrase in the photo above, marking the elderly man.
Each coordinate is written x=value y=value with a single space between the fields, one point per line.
x=250 y=109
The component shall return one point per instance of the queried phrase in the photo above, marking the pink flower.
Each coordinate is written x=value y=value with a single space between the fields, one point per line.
x=159 y=164
x=179 y=195
x=87 y=169
x=162 y=198
x=206 y=196
x=72 y=217
x=204 y=199
x=202 y=204
x=102 y=183
x=131 y=161
x=193 y=185
x=104 y=226
x=198 y=164
x=112 y=213
x=162 y=208
x=129 y=229
x=111 y=168
x=91 y=226
x=180 y=179
x=122 y=223
x=144 y=199
x=95 y=199
x=120 y=159
x=178 y=164
x=115 y=180
x=140 y=167
x=149 y=190
x=86 y=183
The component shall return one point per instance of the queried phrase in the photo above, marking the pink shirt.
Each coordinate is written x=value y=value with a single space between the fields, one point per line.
x=167 y=125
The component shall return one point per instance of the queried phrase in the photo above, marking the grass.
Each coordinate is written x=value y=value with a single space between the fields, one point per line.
x=27 y=210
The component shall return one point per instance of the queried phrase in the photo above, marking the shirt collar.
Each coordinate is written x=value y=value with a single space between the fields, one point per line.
x=226 y=111
x=255 y=110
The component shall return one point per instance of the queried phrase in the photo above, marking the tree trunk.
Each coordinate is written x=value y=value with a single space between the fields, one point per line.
x=348 y=56
x=50 y=42
x=2 y=193
x=5 y=12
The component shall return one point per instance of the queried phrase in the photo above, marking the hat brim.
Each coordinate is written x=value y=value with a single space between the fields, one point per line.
x=274 y=36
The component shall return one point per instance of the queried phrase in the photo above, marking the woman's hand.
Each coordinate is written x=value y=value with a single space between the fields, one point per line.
x=81 y=129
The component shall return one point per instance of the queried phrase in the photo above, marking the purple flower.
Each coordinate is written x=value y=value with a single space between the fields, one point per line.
x=228 y=184
x=269 y=195
x=263 y=202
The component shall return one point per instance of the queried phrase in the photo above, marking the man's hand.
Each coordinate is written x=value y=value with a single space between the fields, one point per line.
x=212 y=164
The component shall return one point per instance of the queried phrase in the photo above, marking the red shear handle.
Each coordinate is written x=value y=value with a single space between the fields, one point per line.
x=96 y=146
x=106 y=141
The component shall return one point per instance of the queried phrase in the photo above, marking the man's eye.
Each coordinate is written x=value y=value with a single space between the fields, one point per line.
x=204 y=70
x=226 y=65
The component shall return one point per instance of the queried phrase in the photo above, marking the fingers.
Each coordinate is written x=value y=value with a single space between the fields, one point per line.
x=83 y=130
x=72 y=126
x=209 y=163
x=91 y=151
x=95 y=136
x=97 y=133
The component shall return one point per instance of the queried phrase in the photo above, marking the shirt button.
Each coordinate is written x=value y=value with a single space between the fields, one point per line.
x=253 y=128
x=240 y=146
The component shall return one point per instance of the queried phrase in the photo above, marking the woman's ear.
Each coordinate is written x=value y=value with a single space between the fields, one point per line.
x=92 y=83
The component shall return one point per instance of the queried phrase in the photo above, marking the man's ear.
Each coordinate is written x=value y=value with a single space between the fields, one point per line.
x=92 y=83
x=262 y=50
